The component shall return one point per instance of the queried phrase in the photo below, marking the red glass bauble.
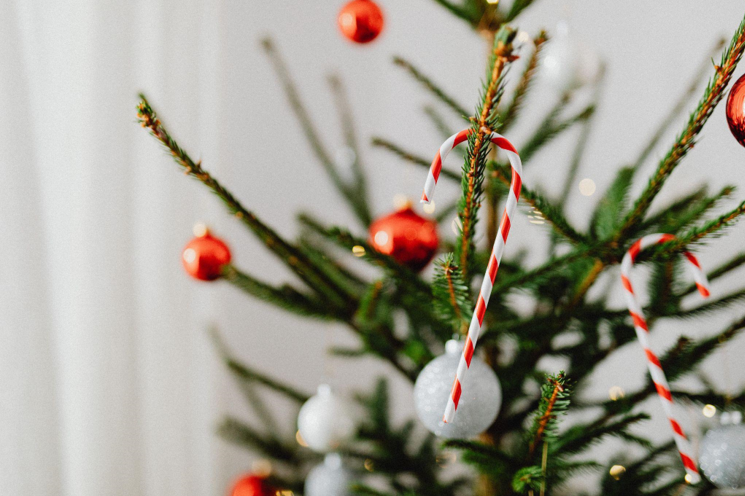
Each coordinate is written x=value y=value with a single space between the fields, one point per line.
x=406 y=236
x=205 y=256
x=252 y=485
x=735 y=110
x=361 y=21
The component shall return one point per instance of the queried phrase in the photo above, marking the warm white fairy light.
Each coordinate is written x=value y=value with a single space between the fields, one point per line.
x=709 y=411
x=358 y=251
x=616 y=393
x=200 y=229
x=587 y=187
x=300 y=440
x=429 y=208
x=401 y=201
x=617 y=471
x=492 y=2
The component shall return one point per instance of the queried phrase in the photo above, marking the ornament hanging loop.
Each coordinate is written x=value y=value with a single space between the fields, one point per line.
x=642 y=334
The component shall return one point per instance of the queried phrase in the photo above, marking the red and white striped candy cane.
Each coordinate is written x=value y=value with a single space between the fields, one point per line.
x=496 y=255
x=642 y=332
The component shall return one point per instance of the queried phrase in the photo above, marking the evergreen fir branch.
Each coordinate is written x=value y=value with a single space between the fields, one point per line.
x=247 y=387
x=347 y=240
x=550 y=128
x=473 y=169
x=247 y=374
x=554 y=402
x=684 y=211
x=517 y=7
x=712 y=96
x=410 y=157
x=540 y=204
x=581 y=145
x=456 y=10
x=452 y=302
x=241 y=434
x=433 y=88
x=610 y=209
x=722 y=270
x=509 y=116
x=533 y=276
x=293 y=257
x=349 y=193
x=580 y=437
x=678 y=108
x=709 y=307
x=712 y=227
x=438 y=121
x=334 y=269
x=359 y=187
x=528 y=479
x=285 y=297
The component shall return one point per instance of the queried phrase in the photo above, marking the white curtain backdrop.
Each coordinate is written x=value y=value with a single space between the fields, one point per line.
x=108 y=382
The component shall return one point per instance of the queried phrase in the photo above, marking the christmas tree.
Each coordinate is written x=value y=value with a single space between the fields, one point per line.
x=539 y=428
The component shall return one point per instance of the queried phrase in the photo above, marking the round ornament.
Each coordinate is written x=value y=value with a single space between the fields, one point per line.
x=252 y=485
x=736 y=110
x=330 y=478
x=361 y=21
x=568 y=64
x=205 y=256
x=481 y=395
x=722 y=458
x=406 y=236
x=326 y=420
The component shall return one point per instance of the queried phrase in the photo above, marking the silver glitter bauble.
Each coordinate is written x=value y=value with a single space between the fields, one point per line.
x=326 y=420
x=722 y=458
x=480 y=397
x=330 y=478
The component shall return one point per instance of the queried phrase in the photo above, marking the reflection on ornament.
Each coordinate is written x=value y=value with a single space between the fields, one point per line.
x=205 y=256
x=252 y=485
x=481 y=395
x=568 y=64
x=326 y=421
x=361 y=21
x=330 y=478
x=404 y=235
x=736 y=110
x=722 y=458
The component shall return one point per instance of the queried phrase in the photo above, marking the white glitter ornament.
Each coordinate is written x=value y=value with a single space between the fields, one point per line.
x=567 y=64
x=326 y=420
x=722 y=458
x=330 y=478
x=481 y=395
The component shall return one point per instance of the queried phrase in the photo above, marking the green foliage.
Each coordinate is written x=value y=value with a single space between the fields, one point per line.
x=403 y=318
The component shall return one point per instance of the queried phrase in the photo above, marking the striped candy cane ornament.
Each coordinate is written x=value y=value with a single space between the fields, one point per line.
x=496 y=255
x=642 y=333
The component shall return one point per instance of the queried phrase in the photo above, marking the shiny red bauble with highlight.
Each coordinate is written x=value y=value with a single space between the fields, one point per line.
x=736 y=110
x=406 y=236
x=361 y=21
x=205 y=256
x=252 y=485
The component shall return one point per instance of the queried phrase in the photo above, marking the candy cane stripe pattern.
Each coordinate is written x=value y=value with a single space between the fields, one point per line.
x=642 y=332
x=496 y=256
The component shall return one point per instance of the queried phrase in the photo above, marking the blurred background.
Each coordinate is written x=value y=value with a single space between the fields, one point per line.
x=109 y=381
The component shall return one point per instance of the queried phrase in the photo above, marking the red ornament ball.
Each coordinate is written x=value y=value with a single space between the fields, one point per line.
x=406 y=236
x=252 y=485
x=361 y=21
x=205 y=256
x=736 y=110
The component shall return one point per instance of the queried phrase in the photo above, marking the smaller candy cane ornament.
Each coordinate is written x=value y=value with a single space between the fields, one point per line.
x=496 y=255
x=642 y=331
